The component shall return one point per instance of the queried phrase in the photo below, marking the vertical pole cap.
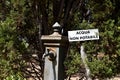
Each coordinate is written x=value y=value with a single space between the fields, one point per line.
x=56 y=27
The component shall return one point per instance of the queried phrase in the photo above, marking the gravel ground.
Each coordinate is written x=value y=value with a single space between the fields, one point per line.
x=115 y=78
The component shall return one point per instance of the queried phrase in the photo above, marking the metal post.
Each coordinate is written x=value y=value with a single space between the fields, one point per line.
x=55 y=50
x=84 y=58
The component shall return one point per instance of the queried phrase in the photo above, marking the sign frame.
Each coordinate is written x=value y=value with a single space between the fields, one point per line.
x=83 y=35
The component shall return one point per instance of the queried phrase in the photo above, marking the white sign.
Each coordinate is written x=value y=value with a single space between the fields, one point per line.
x=83 y=35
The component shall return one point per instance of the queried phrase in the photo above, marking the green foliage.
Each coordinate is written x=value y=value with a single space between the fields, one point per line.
x=104 y=53
x=102 y=68
x=14 y=77
x=10 y=60
x=17 y=32
x=108 y=44
x=72 y=62
x=23 y=21
x=101 y=9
